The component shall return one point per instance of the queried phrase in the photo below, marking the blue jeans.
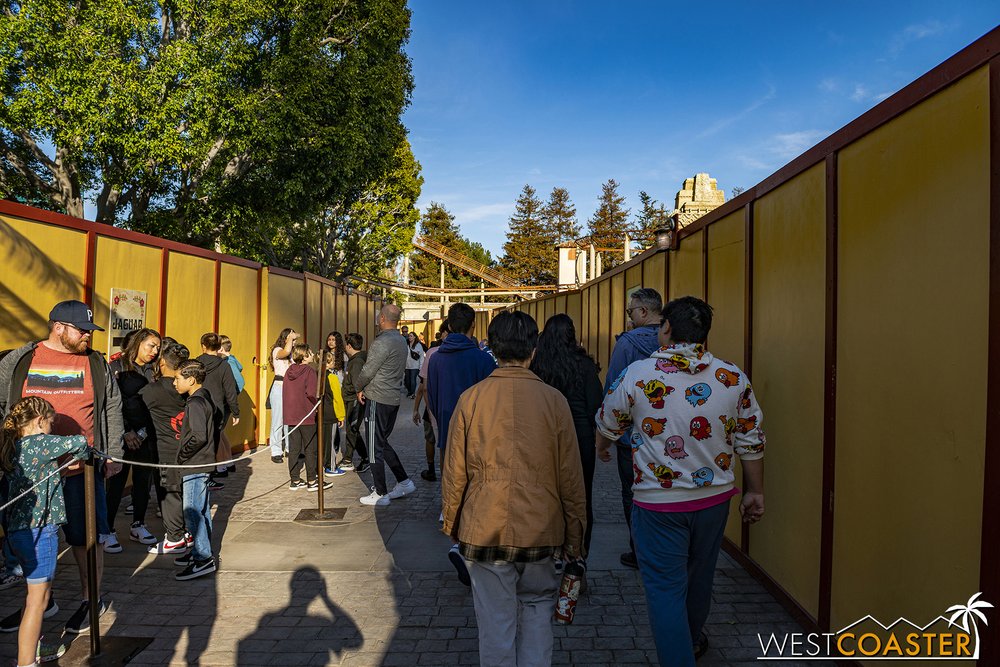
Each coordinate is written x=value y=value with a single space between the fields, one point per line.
x=198 y=514
x=37 y=550
x=677 y=552
x=279 y=432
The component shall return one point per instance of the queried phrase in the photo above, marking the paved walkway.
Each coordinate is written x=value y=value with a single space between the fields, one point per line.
x=372 y=589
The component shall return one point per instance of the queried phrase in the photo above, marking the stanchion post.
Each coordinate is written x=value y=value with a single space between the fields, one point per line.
x=320 y=393
x=93 y=589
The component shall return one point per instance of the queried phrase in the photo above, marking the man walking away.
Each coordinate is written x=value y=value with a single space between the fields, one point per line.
x=379 y=385
x=638 y=343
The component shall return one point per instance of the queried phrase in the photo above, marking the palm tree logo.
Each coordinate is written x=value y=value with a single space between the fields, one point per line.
x=970 y=612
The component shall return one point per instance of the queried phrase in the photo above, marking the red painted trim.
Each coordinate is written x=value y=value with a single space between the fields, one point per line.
x=829 y=398
x=90 y=269
x=747 y=327
x=218 y=294
x=164 y=274
x=989 y=573
x=17 y=210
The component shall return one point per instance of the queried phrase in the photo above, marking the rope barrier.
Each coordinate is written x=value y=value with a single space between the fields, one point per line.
x=200 y=466
x=37 y=484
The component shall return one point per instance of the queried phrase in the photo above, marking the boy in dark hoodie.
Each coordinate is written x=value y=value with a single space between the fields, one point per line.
x=220 y=383
x=638 y=342
x=197 y=447
x=298 y=400
x=166 y=408
x=457 y=364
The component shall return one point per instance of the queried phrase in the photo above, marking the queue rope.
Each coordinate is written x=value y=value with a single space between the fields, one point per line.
x=201 y=466
x=37 y=484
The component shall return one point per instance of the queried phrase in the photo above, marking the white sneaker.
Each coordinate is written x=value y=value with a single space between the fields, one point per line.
x=111 y=544
x=375 y=499
x=138 y=533
x=404 y=488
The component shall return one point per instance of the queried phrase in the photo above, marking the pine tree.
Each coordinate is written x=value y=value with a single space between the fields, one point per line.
x=608 y=225
x=560 y=216
x=650 y=218
x=529 y=253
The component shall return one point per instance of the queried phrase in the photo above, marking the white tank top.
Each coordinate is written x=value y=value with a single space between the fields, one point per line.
x=280 y=365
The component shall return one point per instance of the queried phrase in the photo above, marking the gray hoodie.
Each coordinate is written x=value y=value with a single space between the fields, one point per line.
x=381 y=378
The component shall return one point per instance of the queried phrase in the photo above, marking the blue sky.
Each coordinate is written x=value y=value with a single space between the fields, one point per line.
x=560 y=93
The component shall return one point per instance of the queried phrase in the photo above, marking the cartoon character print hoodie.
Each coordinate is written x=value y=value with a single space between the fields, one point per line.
x=690 y=413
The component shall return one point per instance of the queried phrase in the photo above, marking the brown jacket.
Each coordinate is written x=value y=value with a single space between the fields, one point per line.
x=512 y=473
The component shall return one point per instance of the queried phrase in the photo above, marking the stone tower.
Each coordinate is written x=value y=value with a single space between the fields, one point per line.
x=698 y=196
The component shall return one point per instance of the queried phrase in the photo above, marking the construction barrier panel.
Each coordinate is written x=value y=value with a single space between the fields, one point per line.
x=49 y=257
x=859 y=286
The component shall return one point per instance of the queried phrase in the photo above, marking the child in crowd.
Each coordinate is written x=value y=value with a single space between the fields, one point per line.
x=298 y=401
x=28 y=456
x=166 y=408
x=333 y=419
x=219 y=382
x=354 y=411
x=202 y=422
x=225 y=448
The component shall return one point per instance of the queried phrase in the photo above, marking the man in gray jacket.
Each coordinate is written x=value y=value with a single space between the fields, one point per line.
x=379 y=387
x=76 y=380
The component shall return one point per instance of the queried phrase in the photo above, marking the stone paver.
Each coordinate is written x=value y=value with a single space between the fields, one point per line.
x=373 y=589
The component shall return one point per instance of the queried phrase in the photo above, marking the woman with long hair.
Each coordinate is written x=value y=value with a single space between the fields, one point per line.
x=134 y=370
x=335 y=346
x=561 y=362
x=281 y=359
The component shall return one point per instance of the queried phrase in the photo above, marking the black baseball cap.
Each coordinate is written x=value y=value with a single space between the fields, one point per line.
x=76 y=313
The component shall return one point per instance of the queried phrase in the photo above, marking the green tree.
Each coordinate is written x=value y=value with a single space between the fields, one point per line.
x=529 y=253
x=608 y=225
x=560 y=216
x=200 y=121
x=364 y=238
x=438 y=224
x=652 y=216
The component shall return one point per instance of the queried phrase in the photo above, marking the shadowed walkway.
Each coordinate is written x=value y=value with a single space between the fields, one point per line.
x=373 y=589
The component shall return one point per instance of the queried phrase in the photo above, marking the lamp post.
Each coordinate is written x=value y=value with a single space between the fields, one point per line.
x=666 y=236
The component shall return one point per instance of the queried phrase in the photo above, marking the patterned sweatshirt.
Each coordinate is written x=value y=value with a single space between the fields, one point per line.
x=692 y=413
x=36 y=458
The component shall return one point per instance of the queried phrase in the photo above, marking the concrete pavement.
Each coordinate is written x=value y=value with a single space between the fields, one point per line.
x=372 y=589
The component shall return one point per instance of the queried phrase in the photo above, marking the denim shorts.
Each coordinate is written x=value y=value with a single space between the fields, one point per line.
x=36 y=549
x=75 y=528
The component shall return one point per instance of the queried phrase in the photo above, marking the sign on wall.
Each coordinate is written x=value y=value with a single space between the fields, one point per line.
x=128 y=313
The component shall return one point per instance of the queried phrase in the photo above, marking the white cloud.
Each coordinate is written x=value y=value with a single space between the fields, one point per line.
x=483 y=212
x=860 y=93
x=829 y=85
x=789 y=145
x=723 y=123
x=915 y=32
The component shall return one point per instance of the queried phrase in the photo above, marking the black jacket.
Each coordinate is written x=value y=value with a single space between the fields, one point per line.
x=351 y=373
x=584 y=394
x=201 y=420
x=134 y=410
x=221 y=384
x=166 y=410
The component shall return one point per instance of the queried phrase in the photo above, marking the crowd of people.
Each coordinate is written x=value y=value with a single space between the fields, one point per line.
x=512 y=430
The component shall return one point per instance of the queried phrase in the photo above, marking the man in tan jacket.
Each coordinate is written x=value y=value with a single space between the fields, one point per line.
x=513 y=497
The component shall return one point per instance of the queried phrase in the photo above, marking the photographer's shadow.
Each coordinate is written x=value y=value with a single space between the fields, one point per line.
x=312 y=633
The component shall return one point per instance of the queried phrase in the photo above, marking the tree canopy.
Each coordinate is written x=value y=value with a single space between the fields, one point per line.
x=651 y=216
x=530 y=253
x=609 y=223
x=200 y=121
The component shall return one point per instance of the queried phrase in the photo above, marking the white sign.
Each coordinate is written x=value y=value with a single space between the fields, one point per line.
x=128 y=313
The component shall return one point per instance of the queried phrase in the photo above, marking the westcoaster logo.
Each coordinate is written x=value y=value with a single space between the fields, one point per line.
x=944 y=638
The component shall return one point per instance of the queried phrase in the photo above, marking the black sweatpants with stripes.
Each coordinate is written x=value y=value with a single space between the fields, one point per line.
x=379 y=422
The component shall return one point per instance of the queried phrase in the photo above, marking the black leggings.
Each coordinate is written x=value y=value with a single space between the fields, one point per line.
x=141 y=476
x=331 y=443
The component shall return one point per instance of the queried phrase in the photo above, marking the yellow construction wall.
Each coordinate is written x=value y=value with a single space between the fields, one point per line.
x=238 y=319
x=617 y=318
x=654 y=273
x=789 y=288
x=314 y=336
x=575 y=310
x=686 y=268
x=603 y=338
x=127 y=266
x=42 y=265
x=190 y=299
x=340 y=314
x=914 y=203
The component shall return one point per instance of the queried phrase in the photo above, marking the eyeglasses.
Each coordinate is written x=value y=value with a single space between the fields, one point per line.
x=628 y=311
x=82 y=332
